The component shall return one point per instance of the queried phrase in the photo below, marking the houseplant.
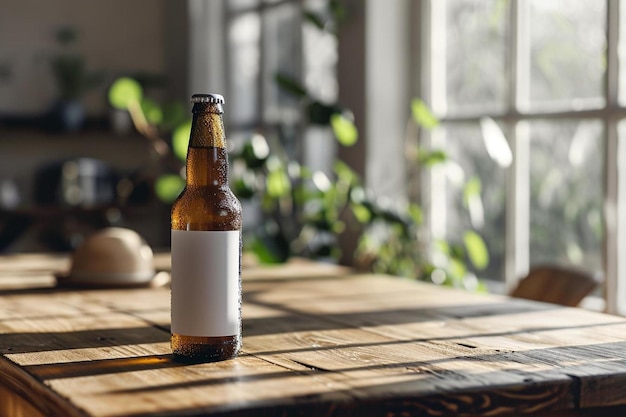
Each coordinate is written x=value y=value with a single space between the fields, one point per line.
x=304 y=211
x=73 y=79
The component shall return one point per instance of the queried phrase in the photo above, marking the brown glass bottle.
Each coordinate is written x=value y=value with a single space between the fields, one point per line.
x=206 y=245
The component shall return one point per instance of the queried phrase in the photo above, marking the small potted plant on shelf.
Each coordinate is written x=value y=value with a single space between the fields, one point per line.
x=69 y=69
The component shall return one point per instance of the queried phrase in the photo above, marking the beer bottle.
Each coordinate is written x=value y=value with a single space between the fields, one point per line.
x=206 y=245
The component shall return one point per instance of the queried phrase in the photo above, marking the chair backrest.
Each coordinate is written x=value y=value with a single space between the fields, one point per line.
x=556 y=284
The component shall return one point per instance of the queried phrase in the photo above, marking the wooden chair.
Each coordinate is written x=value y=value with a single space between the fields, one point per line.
x=556 y=284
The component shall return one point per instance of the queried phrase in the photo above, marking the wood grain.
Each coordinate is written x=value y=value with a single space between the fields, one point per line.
x=318 y=340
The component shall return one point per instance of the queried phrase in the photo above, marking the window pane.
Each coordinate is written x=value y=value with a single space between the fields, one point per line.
x=567 y=56
x=320 y=63
x=475 y=56
x=243 y=70
x=470 y=163
x=281 y=54
x=566 y=173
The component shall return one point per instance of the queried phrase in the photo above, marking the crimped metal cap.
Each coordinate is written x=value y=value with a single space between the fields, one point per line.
x=207 y=98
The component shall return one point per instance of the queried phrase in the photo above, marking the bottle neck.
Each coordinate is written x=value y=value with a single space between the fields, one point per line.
x=207 y=159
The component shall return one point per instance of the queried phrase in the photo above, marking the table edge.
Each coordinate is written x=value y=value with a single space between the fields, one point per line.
x=35 y=392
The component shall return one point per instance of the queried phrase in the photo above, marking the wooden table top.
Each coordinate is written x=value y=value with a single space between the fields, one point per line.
x=317 y=341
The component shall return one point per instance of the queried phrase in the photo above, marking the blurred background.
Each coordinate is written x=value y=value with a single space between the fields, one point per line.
x=456 y=141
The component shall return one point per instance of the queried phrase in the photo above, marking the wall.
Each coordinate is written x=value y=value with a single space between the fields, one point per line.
x=117 y=36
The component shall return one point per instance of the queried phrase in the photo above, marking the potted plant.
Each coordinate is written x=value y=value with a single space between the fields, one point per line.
x=69 y=69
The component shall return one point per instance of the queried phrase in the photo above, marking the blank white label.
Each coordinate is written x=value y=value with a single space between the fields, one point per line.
x=205 y=283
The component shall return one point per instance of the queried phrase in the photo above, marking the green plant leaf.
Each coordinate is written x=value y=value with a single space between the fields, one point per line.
x=361 y=213
x=422 y=114
x=277 y=183
x=431 y=158
x=152 y=110
x=269 y=244
x=474 y=203
x=316 y=20
x=442 y=246
x=263 y=252
x=345 y=131
x=457 y=251
x=345 y=173
x=255 y=151
x=481 y=288
x=290 y=84
x=472 y=189
x=244 y=186
x=168 y=187
x=457 y=269
x=124 y=91
x=476 y=249
x=180 y=140
x=338 y=227
x=416 y=213
x=338 y=10
x=173 y=114
x=320 y=113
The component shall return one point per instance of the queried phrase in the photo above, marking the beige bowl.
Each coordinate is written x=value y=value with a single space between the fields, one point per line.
x=111 y=257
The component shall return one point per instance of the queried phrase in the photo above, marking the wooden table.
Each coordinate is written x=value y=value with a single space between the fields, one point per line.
x=317 y=341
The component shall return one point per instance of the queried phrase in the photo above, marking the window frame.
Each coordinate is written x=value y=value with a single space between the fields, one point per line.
x=428 y=86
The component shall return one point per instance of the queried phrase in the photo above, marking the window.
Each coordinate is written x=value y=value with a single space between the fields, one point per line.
x=266 y=38
x=239 y=46
x=548 y=75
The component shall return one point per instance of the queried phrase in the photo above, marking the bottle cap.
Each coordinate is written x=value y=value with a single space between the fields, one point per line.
x=207 y=98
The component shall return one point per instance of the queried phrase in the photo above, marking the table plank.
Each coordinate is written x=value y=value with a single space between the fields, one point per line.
x=537 y=335
x=317 y=341
x=116 y=357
